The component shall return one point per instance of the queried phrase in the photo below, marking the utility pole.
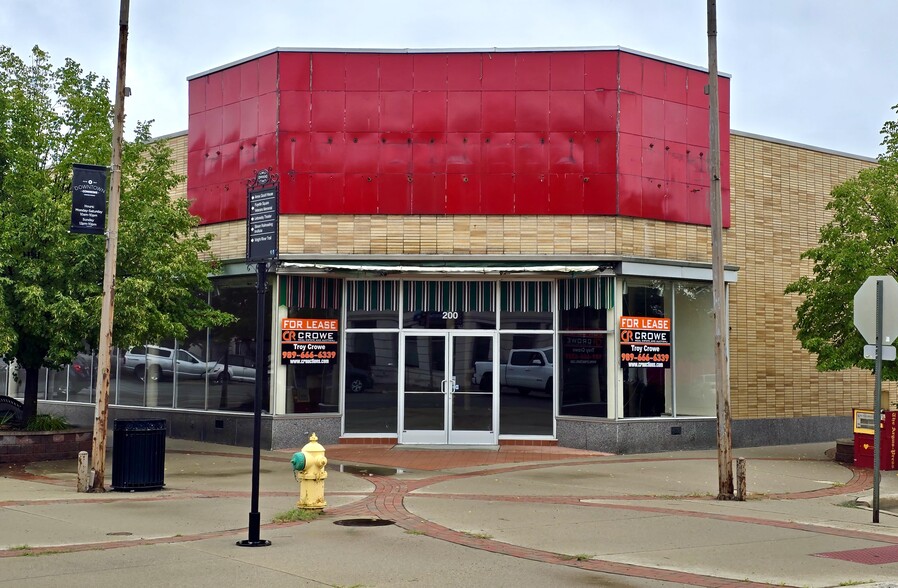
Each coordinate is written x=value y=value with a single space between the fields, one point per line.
x=721 y=369
x=104 y=361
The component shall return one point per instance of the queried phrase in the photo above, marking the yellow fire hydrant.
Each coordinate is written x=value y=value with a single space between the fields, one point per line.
x=308 y=469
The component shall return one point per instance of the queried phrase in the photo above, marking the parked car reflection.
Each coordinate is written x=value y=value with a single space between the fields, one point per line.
x=238 y=368
x=153 y=362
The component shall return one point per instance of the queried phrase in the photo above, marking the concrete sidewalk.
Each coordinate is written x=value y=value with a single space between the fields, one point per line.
x=461 y=517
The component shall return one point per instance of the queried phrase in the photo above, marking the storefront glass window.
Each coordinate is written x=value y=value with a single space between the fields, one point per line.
x=686 y=387
x=526 y=380
x=647 y=391
x=313 y=385
x=526 y=306
x=193 y=366
x=583 y=374
x=694 y=346
x=372 y=304
x=230 y=353
x=449 y=305
x=371 y=382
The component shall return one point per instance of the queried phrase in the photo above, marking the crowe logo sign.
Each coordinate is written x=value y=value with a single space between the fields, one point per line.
x=645 y=342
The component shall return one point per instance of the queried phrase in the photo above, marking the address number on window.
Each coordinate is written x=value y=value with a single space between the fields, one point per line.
x=450 y=314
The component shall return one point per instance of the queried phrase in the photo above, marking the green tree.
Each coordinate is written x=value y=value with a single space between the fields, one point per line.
x=860 y=241
x=51 y=280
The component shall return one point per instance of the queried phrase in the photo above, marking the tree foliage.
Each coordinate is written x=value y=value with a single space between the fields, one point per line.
x=51 y=281
x=860 y=241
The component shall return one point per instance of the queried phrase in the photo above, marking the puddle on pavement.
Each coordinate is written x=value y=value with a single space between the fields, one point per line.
x=364 y=523
x=369 y=470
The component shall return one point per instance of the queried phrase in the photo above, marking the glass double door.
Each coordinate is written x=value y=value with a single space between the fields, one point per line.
x=443 y=400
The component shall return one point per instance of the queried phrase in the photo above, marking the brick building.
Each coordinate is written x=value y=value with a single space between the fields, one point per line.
x=490 y=247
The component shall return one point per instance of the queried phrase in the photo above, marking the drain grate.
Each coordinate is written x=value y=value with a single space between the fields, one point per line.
x=364 y=523
x=369 y=470
x=119 y=534
x=872 y=556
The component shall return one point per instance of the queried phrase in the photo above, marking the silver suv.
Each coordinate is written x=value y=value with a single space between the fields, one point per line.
x=152 y=362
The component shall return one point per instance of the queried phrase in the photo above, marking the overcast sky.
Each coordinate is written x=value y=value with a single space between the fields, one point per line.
x=820 y=72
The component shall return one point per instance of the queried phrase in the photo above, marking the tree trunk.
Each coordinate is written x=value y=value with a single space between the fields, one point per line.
x=32 y=375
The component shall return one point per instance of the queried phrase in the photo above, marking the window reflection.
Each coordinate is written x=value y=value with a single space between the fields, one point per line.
x=647 y=391
x=584 y=378
x=526 y=384
x=229 y=353
x=313 y=387
x=371 y=382
x=694 y=339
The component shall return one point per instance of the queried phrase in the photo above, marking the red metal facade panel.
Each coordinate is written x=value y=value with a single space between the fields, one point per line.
x=554 y=132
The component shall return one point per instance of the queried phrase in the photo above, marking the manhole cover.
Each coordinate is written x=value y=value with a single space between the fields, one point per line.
x=364 y=523
x=119 y=534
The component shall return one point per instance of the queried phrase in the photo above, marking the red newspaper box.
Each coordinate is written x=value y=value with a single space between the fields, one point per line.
x=888 y=439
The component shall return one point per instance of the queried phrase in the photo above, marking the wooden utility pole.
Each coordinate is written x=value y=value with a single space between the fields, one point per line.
x=721 y=356
x=104 y=360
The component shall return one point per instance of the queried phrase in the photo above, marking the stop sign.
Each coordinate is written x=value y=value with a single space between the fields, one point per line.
x=865 y=309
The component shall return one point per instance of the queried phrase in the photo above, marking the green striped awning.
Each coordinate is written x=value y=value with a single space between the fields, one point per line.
x=372 y=295
x=526 y=296
x=449 y=295
x=310 y=292
x=595 y=292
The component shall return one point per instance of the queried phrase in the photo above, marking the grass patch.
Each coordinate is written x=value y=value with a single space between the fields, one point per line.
x=296 y=514
x=413 y=532
x=47 y=422
x=849 y=504
x=20 y=548
x=577 y=557
x=855 y=582
x=478 y=535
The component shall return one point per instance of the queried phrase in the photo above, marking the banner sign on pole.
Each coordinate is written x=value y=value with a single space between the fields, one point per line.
x=88 y=199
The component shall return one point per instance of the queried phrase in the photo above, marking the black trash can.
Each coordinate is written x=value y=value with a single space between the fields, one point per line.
x=138 y=454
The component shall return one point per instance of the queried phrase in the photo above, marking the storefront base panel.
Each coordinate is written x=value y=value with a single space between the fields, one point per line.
x=224 y=428
x=761 y=432
x=294 y=430
x=623 y=437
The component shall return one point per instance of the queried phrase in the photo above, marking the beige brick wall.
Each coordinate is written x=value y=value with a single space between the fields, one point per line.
x=178 y=146
x=476 y=235
x=778 y=206
x=779 y=193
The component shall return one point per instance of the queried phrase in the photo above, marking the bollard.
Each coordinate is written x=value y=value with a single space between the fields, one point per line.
x=741 y=491
x=83 y=478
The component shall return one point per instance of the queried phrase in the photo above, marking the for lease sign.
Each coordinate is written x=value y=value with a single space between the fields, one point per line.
x=645 y=341
x=309 y=341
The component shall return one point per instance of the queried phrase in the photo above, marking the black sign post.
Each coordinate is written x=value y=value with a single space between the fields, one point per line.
x=261 y=247
x=88 y=199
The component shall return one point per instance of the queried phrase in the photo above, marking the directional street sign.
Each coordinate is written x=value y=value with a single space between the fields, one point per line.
x=865 y=309
x=262 y=223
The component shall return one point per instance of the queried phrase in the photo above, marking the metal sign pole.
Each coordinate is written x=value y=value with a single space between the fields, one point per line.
x=261 y=247
x=877 y=402
x=254 y=518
